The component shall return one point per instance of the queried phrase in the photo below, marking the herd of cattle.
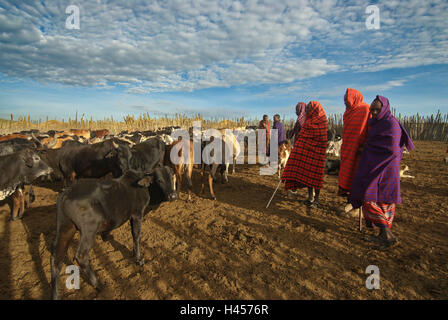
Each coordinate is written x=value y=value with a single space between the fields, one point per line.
x=78 y=153
x=142 y=172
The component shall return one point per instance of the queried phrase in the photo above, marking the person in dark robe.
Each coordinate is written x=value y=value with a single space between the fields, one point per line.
x=376 y=185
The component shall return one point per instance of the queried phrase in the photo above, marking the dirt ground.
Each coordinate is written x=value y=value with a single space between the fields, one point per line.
x=234 y=248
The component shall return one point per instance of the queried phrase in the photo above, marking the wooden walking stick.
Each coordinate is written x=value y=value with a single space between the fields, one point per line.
x=273 y=194
x=360 y=219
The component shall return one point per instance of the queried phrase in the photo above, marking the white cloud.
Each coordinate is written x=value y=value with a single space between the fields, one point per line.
x=153 y=46
x=385 y=86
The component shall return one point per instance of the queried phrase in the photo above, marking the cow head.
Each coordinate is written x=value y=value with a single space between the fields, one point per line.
x=34 y=167
x=160 y=183
x=109 y=148
x=124 y=156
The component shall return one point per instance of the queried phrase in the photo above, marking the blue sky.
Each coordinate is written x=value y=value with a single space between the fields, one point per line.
x=219 y=58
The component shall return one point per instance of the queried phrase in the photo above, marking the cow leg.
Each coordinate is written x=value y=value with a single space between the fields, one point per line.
x=224 y=173
x=202 y=178
x=211 y=179
x=60 y=245
x=175 y=182
x=14 y=205
x=21 y=202
x=136 y=227
x=82 y=255
x=210 y=184
x=234 y=164
x=105 y=236
x=189 y=182
x=179 y=179
x=213 y=171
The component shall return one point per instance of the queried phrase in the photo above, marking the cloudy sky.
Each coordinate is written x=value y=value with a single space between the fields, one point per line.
x=219 y=58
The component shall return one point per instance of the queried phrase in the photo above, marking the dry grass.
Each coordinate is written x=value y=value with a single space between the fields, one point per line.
x=424 y=128
x=131 y=123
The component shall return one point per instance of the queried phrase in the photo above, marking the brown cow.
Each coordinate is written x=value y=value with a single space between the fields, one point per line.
x=99 y=133
x=55 y=143
x=84 y=133
x=14 y=136
x=18 y=202
x=182 y=167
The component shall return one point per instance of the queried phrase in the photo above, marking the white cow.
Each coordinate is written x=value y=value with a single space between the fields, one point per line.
x=334 y=146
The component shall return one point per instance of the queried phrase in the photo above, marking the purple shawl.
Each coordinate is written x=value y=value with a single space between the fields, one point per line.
x=300 y=110
x=378 y=176
x=281 y=131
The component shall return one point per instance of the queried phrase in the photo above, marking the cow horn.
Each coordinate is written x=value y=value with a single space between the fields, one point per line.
x=37 y=140
x=115 y=145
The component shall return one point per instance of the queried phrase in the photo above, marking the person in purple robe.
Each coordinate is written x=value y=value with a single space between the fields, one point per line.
x=281 y=129
x=376 y=185
x=301 y=117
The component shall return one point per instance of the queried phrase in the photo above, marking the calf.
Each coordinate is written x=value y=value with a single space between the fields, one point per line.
x=284 y=150
x=403 y=170
x=94 y=206
x=18 y=169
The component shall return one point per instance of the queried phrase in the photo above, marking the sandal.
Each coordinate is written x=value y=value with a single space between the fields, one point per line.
x=308 y=203
x=385 y=244
x=316 y=205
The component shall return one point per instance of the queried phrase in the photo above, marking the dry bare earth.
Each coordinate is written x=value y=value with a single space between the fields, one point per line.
x=234 y=248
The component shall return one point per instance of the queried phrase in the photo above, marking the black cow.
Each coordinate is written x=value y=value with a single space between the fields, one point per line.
x=148 y=133
x=144 y=156
x=167 y=130
x=18 y=169
x=134 y=137
x=94 y=206
x=89 y=161
x=15 y=145
x=51 y=157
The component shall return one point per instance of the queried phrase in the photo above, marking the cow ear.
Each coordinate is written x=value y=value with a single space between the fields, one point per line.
x=146 y=181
